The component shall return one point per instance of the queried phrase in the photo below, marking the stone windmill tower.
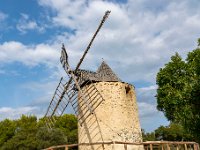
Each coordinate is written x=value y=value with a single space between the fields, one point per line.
x=116 y=118
x=104 y=105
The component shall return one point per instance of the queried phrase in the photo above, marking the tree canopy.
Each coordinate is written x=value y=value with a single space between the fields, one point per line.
x=178 y=93
x=172 y=132
x=28 y=133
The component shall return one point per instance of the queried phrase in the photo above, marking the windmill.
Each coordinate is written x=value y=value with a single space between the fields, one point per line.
x=105 y=106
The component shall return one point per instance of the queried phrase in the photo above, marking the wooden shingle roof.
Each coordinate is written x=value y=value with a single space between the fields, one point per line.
x=103 y=74
x=106 y=73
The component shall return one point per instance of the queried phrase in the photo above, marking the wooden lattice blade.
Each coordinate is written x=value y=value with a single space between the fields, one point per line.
x=58 y=103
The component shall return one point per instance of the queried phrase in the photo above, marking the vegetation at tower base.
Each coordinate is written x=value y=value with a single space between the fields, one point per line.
x=172 y=132
x=178 y=93
x=28 y=133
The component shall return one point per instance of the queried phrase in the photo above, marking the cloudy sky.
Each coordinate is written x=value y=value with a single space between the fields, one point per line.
x=138 y=38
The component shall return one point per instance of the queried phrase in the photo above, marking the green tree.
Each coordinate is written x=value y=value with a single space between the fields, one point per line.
x=68 y=124
x=148 y=136
x=27 y=133
x=178 y=93
x=7 y=130
x=24 y=137
x=50 y=137
x=173 y=132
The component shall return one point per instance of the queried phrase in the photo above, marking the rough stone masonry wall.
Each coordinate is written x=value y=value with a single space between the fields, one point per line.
x=115 y=119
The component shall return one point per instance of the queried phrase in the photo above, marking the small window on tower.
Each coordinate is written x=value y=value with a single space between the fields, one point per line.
x=127 y=88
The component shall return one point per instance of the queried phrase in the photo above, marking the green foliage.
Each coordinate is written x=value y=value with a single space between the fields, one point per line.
x=178 y=93
x=46 y=138
x=24 y=137
x=7 y=130
x=68 y=124
x=148 y=136
x=27 y=133
x=171 y=82
x=173 y=132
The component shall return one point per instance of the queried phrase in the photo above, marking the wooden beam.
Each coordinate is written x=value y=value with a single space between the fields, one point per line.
x=151 y=147
x=168 y=147
x=185 y=146
x=148 y=144
x=162 y=146
x=177 y=147
x=195 y=146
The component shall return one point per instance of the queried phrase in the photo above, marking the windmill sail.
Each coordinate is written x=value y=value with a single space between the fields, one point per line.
x=64 y=59
x=58 y=103
x=85 y=101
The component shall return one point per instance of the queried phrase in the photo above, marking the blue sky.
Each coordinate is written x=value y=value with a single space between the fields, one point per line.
x=139 y=37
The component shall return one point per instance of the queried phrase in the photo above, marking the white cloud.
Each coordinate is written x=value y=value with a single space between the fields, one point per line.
x=44 y=91
x=3 y=16
x=146 y=110
x=25 y=24
x=147 y=94
x=15 y=113
x=3 y=21
x=29 y=55
x=150 y=117
x=144 y=89
x=136 y=42
x=139 y=36
x=2 y=72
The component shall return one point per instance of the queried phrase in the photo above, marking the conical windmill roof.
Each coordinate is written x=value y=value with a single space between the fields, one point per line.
x=105 y=73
